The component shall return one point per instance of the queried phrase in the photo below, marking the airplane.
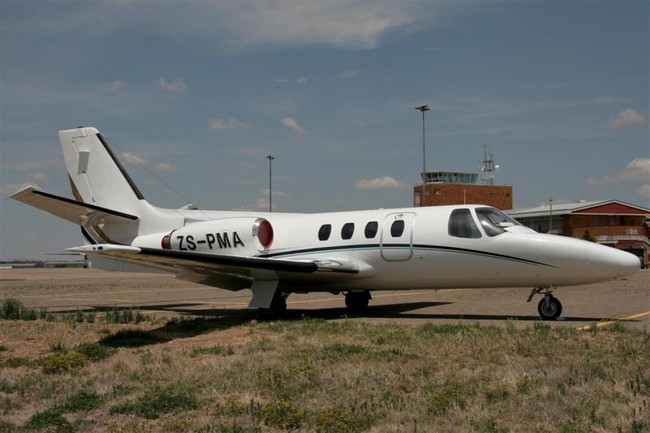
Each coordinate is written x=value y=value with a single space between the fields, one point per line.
x=275 y=254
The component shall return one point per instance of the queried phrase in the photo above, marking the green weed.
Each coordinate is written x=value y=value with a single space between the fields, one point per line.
x=342 y=420
x=159 y=401
x=281 y=414
x=212 y=350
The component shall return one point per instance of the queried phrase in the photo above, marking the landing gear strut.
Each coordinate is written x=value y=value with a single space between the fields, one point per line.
x=357 y=301
x=549 y=307
x=277 y=309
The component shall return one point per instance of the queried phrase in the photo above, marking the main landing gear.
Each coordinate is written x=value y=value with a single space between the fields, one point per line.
x=277 y=309
x=549 y=306
x=357 y=301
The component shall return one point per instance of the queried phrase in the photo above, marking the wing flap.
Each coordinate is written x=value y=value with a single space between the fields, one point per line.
x=70 y=210
x=227 y=272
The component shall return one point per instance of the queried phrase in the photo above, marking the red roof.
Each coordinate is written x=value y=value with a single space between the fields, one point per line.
x=613 y=208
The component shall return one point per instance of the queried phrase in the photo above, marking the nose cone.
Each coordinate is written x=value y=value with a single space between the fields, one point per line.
x=611 y=262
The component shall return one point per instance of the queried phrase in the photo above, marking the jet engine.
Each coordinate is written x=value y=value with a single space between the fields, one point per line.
x=231 y=236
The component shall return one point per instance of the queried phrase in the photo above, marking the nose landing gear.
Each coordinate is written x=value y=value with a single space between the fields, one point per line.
x=549 y=307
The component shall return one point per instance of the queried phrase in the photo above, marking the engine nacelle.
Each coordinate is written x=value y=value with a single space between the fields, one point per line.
x=230 y=236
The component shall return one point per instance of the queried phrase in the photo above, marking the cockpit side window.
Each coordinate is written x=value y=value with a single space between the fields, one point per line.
x=493 y=221
x=462 y=225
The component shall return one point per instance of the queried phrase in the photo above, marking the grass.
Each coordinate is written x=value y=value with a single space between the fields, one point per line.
x=209 y=375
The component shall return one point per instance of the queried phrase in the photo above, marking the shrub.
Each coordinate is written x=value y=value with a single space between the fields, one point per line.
x=58 y=362
x=94 y=351
x=13 y=309
x=282 y=414
x=442 y=399
x=342 y=420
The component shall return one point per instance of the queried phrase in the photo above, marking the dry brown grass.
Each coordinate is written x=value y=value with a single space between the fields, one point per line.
x=213 y=375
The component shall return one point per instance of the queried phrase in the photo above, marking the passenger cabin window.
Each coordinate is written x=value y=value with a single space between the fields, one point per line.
x=462 y=225
x=347 y=231
x=324 y=232
x=371 y=229
x=397 y=228
x=493 y=221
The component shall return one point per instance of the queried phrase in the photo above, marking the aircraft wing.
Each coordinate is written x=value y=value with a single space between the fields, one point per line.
x=70 y=210
x=227 y=272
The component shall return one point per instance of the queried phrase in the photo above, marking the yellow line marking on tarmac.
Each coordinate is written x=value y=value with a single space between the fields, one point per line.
x=609 y=322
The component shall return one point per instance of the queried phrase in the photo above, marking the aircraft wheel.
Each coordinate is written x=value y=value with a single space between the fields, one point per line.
x=277 y=310
x=549 y=308
x=357 y=302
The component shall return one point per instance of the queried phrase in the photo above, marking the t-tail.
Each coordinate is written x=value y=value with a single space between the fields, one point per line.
x=96 y=175
x=107 y=204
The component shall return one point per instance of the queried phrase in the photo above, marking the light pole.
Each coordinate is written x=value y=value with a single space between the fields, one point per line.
x=270 y=158
x=423 y=108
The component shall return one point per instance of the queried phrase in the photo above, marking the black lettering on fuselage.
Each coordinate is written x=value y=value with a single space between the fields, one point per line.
x=190 y=242
x=224 y=241
x=210 y=238
x=237 y=240
x=180 y=243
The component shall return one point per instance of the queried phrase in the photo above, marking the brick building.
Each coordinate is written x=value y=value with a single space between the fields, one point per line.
x=620 y=225
x=449 y=188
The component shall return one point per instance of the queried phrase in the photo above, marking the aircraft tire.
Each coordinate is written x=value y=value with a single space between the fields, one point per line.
x=550 y=310
x=357 y=302
x=277 y=310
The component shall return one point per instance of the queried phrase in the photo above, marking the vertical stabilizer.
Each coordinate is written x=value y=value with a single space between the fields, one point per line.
x=96 y=175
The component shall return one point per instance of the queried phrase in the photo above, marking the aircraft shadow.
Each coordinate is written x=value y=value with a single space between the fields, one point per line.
x=195 y=322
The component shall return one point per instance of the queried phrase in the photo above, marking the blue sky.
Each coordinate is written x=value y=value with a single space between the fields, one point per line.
x=201 y=92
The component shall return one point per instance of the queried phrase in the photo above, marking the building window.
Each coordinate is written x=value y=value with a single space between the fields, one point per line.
x=397 y=228
x=371 y=229
x=324 y=232
x=347 y=231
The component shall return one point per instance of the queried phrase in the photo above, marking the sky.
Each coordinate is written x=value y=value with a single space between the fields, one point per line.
x=194 y=95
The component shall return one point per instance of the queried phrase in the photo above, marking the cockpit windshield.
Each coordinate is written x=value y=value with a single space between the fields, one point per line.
x=493 y=221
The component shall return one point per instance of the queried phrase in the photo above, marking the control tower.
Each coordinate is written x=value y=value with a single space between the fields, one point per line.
x=452 y=188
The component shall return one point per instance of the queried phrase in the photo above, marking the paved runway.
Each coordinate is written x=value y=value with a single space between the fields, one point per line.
x=88 y=289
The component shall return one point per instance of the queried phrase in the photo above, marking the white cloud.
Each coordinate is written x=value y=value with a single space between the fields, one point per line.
x=344 y=24
x=638 y=169
x=626 y=117
x=644 y=191
x=114 y=86
x=350 y=74
x=133 y=159
x=262 y=203
x=382 y=182
x=228 y=124
x=31 y=180
x=299 y=80
x=172 y=86
x=635 y=171
x=291 y=123
x=165 y=166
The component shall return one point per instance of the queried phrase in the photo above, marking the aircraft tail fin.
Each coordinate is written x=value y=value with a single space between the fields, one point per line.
x=96 y=175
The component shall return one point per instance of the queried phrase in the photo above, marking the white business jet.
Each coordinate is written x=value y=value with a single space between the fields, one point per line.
x=276 y=254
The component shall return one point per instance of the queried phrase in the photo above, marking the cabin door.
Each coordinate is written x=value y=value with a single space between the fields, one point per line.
x=397 y=236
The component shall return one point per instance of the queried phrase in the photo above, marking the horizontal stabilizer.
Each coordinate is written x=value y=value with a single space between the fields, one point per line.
x=70 y=210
